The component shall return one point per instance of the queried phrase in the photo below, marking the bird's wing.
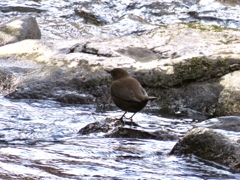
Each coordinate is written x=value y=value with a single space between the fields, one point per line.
x=123 y=92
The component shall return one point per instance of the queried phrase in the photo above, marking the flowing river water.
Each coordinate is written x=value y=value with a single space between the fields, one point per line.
x=39 y=138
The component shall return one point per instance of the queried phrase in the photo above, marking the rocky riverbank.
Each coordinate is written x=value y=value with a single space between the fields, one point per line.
x=187 y=66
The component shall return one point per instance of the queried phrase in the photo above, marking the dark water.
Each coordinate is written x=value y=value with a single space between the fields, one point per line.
x=39 y=140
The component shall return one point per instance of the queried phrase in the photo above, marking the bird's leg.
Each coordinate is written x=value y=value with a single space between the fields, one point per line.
x=132 y=119
x=123 y=115
x=121 y=118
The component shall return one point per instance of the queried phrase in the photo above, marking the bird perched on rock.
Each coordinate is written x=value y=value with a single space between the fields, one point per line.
x=127 y=93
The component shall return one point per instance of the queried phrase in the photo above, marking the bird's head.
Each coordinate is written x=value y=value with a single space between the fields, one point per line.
x=118 y=73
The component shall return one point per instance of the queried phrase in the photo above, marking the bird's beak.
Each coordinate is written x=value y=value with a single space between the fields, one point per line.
x=108 y=71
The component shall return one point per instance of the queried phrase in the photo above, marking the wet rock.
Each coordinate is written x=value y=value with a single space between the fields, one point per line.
x=122 y=132
x=113 y=128
x=210 y=145
x=6 y=80
x=59 y=84
x=99 y=126
x=199 y=96
x=19 y=29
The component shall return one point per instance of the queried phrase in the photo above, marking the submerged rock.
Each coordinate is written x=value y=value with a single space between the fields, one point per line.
x=210 y=145
x=18 y=29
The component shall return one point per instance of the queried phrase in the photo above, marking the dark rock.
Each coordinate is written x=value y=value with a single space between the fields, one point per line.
x=73 y=97
x=61 y=84
x=99 y=126
x=18 y=29
x=6 y=80
x=122 y=132
x=199 y=96
x=90 y=18
x=210 y=145
x=114 y=129
x=19 y=8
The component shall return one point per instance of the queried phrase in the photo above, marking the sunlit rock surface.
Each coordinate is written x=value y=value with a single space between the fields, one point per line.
x=229 y=98
x=18 y=29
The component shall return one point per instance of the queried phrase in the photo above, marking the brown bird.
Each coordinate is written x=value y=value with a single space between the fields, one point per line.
x=127 y=93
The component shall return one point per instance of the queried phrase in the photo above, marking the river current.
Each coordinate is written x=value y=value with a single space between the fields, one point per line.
x=39 y=140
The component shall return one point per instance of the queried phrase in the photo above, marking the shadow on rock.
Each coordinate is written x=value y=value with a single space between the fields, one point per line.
x=114 y=129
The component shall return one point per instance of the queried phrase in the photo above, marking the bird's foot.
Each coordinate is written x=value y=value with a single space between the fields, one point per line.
x=122 y=121
x=131 y=123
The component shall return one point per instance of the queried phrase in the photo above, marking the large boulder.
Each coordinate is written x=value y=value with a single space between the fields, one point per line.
x=18 y=29
x=209 y=145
